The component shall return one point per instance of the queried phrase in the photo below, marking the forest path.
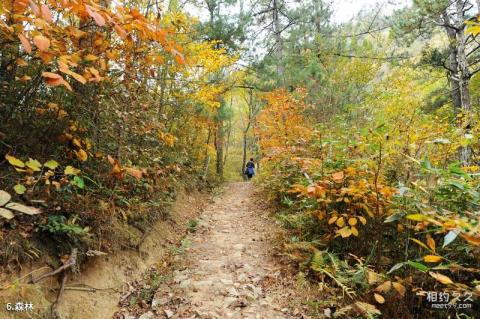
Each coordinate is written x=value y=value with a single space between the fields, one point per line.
x=227 y=271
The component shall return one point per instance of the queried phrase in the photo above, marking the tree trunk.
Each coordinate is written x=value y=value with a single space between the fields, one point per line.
x=219 y=137
x=464 y=73
x=227 y=144
x=206 y=161
x=244 y=158
x=277 y=33
x=463 y=78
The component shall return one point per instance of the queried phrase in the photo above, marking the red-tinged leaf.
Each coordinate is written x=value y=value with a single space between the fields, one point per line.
x=99 y=20
x=35 y=8
x=51 y=76
x=19 y=6
x=121 y=33
x=431 y=243
x=338 y=176
x=134 y=172
x=46 y=13
x=41 y=42
x=474 y=240
x=62 y=65
x=179 y=57
x=26 y=44
x=110 y=159
x=74 y=75
x=54 y=79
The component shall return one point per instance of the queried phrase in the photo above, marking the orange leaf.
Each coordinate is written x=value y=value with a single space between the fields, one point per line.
x=51 y=76
x=179 y=57
x=431 y=242
x=21 y=62
x=134 y=172
x=471 y=239
x=54 y=79
x=110 y=159
x=332 y=220
x=34 y=8
x=19 y=6
x=26 y=44
x=121 y=33
x=338 y=176
x=77 y=142
x=311 y=190
x=385 y=287
x=82 y=155
x=432 y=258
x=399 y=288
x=379 y=298
x=90 y=57
x=41 y=42
x=99 y=20
x=46 y=14
x=74 y=75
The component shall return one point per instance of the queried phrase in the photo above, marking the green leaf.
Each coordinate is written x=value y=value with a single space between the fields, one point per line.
x=19 y=189
x=456 y=185
x=33 y=164
x=455 y=168
x=426 y=164
x=51 y=164
x=79 y=182
x=418 y=265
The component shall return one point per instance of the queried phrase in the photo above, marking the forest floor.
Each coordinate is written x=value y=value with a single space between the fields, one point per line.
x=227 y=268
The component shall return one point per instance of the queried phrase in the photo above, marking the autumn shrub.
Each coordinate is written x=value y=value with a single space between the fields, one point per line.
x=105 y=110
x=369 y=217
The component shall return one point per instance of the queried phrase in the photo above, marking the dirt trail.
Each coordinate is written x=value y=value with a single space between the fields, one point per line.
x=228 y=271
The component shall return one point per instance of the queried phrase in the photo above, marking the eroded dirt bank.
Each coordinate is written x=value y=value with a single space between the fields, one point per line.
x=94 y=292
x=118 y=271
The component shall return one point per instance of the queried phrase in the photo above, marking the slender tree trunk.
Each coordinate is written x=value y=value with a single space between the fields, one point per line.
x=244 y=158
x=464 y=73
x=227 y=144
x=206 y=160
x=277 y=33
x=219 y=141
x=452 y=65
x=463 y=77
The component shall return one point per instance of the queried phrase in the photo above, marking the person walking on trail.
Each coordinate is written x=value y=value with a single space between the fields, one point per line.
x=250 y=169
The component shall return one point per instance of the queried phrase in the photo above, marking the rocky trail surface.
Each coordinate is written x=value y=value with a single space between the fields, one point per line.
x=227 y=269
